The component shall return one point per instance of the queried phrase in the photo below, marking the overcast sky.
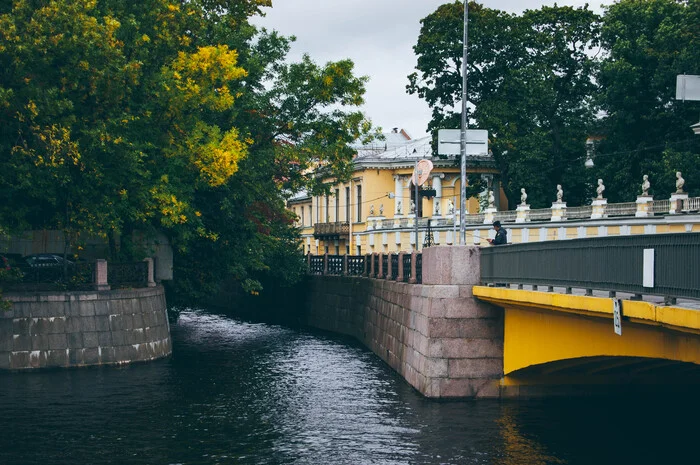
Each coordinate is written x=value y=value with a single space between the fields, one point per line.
x=378 y=35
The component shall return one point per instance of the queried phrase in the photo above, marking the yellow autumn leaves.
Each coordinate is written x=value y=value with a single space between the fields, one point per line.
x=200 y=81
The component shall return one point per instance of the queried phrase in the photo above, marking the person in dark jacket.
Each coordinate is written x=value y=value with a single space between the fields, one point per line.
x=501 y=235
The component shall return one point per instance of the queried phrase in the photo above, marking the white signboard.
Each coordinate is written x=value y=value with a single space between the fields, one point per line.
x=617 y=316
x=687 y=87
x=449 y=142
x=648 y=275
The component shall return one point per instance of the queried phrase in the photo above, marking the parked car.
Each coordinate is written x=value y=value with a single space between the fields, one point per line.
x=43 y=260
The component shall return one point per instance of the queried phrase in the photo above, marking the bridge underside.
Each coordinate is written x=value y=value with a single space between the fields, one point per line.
x=565 y=340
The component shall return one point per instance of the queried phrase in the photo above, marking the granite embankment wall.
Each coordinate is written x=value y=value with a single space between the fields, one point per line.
x=68 y=329
x=442 y=340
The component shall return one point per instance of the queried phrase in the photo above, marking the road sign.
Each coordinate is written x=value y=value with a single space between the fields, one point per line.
x=449 y=142
x=687 y=87
x=421 y=172
x=617 y=316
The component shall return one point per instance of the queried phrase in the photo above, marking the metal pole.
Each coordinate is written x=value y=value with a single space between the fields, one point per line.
x=415 y=216
x=349 y=209
x=463 y=136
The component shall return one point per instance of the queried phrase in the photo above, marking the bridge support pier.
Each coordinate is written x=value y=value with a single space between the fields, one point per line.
x=437 y=335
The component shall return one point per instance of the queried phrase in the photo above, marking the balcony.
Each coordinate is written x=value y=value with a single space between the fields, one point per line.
x=331 y=230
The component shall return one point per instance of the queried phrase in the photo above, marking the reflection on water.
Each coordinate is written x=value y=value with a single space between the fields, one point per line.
x=247 y=393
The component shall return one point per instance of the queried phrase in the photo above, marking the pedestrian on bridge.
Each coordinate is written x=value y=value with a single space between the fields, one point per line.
x=501 y=234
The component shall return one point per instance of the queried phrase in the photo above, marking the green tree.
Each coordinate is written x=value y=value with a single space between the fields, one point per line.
x=529 y=84
x=645 y=130
x=169 y=116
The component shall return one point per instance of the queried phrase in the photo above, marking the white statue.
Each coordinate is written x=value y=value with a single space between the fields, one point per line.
x=492 y=200
x=381 y=209
x=398 y=207
x=371 y=210
x=560 y=194
x=437 y=208
x=523 y=196
x=680 y=182
x=413 y=206
x=450 y=207
x=600 y=189
x=645 y=186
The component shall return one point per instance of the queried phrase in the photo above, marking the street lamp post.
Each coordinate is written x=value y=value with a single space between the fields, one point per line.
x=463 y=136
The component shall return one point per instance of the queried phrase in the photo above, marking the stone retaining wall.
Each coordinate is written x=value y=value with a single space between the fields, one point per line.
x=68 y=329
x=442 y=340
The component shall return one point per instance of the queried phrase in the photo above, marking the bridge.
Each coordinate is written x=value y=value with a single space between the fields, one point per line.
x=523 y=320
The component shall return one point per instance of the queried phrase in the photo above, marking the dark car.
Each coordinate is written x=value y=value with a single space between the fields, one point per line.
x=45 y=267
x=45 y=260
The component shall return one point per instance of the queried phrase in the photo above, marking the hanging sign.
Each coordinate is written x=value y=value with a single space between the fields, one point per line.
x=617 y=316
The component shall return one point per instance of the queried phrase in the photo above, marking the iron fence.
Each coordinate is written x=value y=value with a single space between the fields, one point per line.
x=614 y=263
x=316 y=264
x=406 y=267
x=124 y=275
x=385 y=265
x=394 y=266
x=50 y=277
x=335 y=264
x=419 y=268
x=356 y=265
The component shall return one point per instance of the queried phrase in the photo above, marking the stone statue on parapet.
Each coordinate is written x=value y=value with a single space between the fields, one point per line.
x=437 y=208
x=680 y=182
x=413 y=206
x=492 y=200
x=600 y=189
x=398 y=207
x=645 y=185
x=523 y=196
x=560 y=194
x=450 y=207
x=371 y=210
x=381 y=209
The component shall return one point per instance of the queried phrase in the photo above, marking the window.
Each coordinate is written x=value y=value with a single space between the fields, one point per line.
x=359 y=204
x=347 y=204
x=318 y=209
x=328 y=213
x=302 y=216
x=337 y=205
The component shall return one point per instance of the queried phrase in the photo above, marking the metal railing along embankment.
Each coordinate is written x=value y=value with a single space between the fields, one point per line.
x=672 y=263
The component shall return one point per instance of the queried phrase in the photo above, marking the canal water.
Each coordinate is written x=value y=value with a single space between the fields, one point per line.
x=237 y=392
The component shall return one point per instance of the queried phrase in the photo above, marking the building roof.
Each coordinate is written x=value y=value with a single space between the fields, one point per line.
x=395 y=153
x=300 y=196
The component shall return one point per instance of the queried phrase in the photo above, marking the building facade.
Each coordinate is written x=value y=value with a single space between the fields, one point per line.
x=380 y=196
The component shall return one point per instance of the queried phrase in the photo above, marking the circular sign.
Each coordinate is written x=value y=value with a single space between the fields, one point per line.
x=421 y=172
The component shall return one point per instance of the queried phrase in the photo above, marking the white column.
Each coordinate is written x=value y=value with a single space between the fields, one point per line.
x=398 y=195
x=437 y=185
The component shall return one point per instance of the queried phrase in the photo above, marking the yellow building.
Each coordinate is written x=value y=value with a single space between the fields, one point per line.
x=375 y=211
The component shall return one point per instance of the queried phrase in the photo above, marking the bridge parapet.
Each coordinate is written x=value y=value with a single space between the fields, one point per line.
x=662 y=264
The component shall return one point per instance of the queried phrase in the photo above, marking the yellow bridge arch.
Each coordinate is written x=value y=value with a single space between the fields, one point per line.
x=563 y=338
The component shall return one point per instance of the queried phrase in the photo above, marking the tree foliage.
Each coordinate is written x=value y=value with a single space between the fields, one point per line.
x=645 y=129
x=170 y=116
x=538 y=82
